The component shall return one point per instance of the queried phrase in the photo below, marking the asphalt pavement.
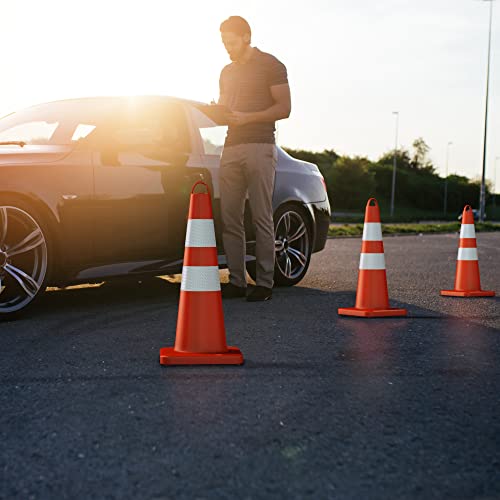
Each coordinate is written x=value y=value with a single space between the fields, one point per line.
x=324 y=407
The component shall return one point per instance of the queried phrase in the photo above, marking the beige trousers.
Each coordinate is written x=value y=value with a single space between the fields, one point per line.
x=248 y=168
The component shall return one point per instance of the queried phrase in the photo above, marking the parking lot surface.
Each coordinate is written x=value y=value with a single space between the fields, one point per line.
x=324 y=407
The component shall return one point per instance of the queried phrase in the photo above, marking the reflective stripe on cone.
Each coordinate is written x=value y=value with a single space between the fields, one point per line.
x=467 y=254
x=372 y=261
x=372 y=231
x=200 y=279
x=467 y=231
x=200 y=233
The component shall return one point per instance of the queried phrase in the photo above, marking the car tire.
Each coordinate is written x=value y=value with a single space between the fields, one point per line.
x=292 y=256
x=25 y=268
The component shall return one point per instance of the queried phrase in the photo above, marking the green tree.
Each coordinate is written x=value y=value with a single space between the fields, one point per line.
x=350 y=182
x=324 y=160
x=420 y=160
x=403 y=159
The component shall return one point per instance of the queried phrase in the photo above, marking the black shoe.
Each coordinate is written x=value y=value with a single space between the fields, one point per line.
x=259 y=294
x=231 y=291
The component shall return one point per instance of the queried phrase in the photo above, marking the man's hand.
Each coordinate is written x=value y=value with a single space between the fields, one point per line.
x=237 y=118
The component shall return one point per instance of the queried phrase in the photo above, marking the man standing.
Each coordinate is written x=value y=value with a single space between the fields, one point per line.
x=255 y=89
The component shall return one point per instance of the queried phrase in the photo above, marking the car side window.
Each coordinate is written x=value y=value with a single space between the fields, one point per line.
x=82 y=130
x=31 y=132
x=153 y=132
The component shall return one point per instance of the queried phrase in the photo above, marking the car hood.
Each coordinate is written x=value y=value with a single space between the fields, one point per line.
x=15 y=155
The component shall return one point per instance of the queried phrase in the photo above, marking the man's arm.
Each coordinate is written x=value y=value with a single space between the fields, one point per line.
x=278 y=111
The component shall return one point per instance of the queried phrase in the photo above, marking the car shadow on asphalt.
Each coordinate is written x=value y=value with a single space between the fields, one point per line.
x=158 y=292
x=106 y=294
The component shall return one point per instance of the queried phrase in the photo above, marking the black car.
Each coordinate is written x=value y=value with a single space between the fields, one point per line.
x=475 y=214
x=97 y=188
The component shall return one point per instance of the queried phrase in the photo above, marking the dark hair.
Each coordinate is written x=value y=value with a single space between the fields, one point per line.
x=236 y=25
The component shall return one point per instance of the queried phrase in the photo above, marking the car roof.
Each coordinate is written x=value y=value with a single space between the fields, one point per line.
x=102 y=99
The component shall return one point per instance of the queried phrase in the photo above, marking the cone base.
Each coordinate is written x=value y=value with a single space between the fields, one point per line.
x=372 y=313
x=169 y=356
x=468 y=293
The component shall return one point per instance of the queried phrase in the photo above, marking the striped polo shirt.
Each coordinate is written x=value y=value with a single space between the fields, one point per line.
x=247 y=88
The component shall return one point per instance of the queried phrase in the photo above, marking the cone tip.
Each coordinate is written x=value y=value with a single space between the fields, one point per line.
x=200 y=183
x=372 y=212
x=200 y=206
x=467 y=215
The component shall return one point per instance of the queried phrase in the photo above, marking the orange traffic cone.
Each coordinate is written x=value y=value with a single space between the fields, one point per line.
x=467 y=281
x=372 y=297
x=200 y=337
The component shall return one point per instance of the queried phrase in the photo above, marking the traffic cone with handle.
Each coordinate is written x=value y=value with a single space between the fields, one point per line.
x=467 y=280
x=372 y=297
x=201 y=336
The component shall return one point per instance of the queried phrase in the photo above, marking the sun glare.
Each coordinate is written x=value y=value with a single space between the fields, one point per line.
x=349 y=64
x=110 y=48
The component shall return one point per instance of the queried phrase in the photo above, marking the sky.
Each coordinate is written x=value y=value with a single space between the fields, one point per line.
x=350 y=65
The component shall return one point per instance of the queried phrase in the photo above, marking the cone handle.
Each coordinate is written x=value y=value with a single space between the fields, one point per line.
x=372 y=202
x=467 y=215
x=200 y=183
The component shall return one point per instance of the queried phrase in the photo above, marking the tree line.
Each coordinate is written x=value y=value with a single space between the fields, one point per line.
x=352 y=180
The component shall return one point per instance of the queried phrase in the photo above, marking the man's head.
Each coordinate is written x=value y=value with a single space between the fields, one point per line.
x=236 y=36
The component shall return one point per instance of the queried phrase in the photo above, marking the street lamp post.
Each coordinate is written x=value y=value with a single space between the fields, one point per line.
x=446 y=177
x=482 y=197
x=495 y=181
x=393 y=190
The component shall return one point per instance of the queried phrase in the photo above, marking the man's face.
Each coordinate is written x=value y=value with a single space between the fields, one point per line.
x=235 y=44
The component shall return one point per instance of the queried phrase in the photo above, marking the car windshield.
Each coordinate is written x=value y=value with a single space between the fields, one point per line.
x=56 y=123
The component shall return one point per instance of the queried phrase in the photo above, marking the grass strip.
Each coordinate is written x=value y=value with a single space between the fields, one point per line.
x=453 y=227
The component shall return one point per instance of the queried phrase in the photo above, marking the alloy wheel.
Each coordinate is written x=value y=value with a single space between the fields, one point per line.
x=291 y=244
x=23 y=259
